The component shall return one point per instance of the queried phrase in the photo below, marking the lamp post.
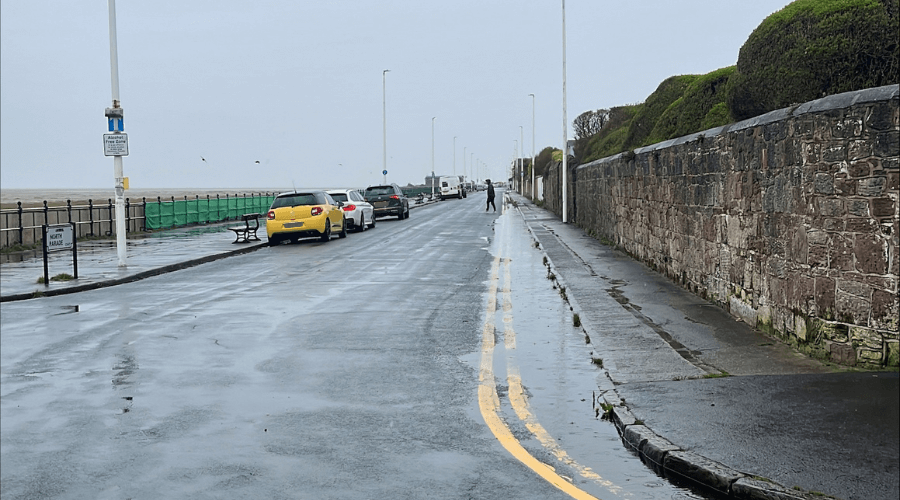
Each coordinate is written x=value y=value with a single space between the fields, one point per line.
x=522 y=162
x=432 y=156
x=454 y=155
x=565 y=144
x=464 y=162
x=515 y=176
x=115 y=117
x=532 y=146
x=384 y=119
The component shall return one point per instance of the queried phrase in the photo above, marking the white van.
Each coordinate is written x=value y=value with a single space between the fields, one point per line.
x=450 y=187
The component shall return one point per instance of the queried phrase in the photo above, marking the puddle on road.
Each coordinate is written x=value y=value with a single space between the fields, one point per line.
x=69 y=310
x=123 y=370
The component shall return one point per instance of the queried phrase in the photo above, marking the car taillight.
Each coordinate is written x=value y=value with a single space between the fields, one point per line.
x=270 y=215
x=316 y=211
x=349 y=208
x=395 y=197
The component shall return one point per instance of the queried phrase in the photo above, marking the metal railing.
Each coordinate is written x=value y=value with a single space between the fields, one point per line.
x=22 y=226
x=177 y=212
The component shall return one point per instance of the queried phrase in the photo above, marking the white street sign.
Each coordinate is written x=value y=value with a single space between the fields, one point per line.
x=59 y=238
x=115 y=144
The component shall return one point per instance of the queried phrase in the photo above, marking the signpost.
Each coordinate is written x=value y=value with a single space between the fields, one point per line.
x=115 y=144
x=57 y=238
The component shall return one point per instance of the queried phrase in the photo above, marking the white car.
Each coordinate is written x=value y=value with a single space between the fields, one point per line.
x=358 y=213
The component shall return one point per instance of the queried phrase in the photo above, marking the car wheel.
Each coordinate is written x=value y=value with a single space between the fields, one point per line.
x=326 y=236
x=372 y=225
x=274 y=241
x=343 y=233
x=362 y=223
x=407 y=212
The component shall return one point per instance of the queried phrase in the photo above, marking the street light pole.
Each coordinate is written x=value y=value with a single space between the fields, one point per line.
x=432 y=156
x=117 y=126
x=384 y=119
x=454 y=155
x=521 y=161
x=532 y=146
x=464 y=162
x=515 y=168
x=565 y=144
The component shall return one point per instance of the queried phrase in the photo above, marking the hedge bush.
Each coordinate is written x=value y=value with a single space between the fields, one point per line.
x=808 y=49
x=813 y=48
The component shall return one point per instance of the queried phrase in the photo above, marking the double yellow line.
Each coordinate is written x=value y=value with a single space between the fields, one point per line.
x=489 y=401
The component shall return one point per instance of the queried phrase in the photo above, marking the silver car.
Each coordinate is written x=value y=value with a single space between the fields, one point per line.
x=358 y=213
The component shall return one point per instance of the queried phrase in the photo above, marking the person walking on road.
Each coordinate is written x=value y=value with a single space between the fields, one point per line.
x=490 y=196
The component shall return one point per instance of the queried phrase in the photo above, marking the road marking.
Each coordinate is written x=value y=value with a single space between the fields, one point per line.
x=489 y=401
x=519 y=401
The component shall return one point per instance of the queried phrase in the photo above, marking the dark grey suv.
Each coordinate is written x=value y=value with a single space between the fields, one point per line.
x=388 y=200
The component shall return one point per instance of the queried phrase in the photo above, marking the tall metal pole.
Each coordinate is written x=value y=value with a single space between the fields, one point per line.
x=515 y=175
x=565 y=144
x=432 y=156
x=532 y=146
x=454 y=155
x=472 y=166
x=384 y=118
x=464 y=163
x=118 y=170
x=521 y=161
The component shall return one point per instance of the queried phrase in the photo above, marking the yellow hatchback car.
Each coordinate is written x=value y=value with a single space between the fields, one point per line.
x=303 y=215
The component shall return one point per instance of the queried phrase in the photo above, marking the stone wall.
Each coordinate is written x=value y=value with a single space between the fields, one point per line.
x=789 y=219
x=553 y=189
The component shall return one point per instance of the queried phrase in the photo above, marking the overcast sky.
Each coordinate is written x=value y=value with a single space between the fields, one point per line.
x=297 y=85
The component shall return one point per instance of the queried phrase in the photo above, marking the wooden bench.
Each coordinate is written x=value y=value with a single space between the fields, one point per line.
x=247 y=232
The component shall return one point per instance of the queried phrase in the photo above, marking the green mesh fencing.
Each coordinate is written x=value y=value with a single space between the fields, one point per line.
x=167 y=214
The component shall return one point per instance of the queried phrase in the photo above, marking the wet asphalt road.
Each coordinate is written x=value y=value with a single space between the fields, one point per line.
x=427 y=358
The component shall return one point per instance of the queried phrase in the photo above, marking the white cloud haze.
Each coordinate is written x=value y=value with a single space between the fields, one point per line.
x=297 y=86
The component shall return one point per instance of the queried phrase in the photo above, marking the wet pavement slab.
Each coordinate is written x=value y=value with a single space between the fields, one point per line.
x=147 y=254
x=831 y=433
x=704 y=398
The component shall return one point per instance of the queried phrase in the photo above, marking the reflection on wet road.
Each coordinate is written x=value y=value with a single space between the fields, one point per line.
x=365 y=367
x=561 y=381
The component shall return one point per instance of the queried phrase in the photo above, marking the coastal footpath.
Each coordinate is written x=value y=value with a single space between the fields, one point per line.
x=789 y=220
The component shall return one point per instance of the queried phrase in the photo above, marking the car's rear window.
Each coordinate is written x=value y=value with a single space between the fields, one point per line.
x=339 y=196
x=377 y=190
x=293 y=200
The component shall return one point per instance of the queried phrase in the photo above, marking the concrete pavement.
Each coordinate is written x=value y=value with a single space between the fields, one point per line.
x=147 y=255
x=701 y=397
x=707 y=400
